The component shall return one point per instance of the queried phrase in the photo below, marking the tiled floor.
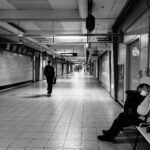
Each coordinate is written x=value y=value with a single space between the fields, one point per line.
x=70 y=119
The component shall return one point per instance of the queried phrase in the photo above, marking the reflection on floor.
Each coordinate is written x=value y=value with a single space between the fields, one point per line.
x=70 y=119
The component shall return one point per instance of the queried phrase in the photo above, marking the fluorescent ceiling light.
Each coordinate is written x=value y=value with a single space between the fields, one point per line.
x=67 y=38
x=70 y=37
x=69 y=54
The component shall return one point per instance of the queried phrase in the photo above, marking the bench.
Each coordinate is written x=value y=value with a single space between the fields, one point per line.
x=142 y=130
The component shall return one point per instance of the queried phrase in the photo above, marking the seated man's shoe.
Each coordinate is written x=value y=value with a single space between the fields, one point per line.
x=105 y=138
x=105 y=131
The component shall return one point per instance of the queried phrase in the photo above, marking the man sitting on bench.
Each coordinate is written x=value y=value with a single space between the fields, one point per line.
x=137 y=104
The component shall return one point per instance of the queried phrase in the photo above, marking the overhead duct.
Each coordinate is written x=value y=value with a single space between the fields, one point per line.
x=14 y=32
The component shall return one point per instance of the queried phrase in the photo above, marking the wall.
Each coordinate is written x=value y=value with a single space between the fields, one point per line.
x=138 y=30
x=59 y=69
x=95 y=69
x=65 y=69
x=69 y=68
x=112 y=82
x=41 y=68
x=122 y=62
x=15 y=68
x=105 y=71
x=127 y=23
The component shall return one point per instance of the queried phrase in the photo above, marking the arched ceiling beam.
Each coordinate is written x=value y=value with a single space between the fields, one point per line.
x=43 y=15
x=40 y=15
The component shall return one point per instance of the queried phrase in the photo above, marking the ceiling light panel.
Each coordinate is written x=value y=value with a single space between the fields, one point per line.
x=63 y=4
x=30 y=4
x=71 y=25
x=26 y=25
x=49 y=25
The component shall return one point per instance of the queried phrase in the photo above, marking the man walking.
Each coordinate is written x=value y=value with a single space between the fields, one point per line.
x=49 y=73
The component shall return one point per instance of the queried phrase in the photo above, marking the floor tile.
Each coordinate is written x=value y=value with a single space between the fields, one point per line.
x=78 y=110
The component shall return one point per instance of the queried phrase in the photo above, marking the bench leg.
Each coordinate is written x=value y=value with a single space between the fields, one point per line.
x=136 y=140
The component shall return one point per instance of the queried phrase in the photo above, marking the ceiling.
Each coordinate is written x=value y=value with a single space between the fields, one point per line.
x=59 y=26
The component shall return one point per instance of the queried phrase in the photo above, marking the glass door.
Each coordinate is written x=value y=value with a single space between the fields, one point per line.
x=133 y=65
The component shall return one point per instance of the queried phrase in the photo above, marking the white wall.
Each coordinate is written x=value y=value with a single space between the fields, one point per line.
x=105 y=72
x=15 y=68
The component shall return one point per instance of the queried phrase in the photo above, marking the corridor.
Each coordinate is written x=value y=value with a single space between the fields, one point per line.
x=70 y=119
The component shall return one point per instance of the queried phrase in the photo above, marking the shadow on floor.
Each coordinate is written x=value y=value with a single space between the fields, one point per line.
x=125 y=140
x=36 y=96
x=128 y=138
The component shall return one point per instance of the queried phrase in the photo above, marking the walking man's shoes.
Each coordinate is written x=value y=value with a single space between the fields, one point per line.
x=105 y=138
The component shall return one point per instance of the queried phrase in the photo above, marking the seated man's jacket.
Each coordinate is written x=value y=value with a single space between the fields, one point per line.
x=133 y=100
